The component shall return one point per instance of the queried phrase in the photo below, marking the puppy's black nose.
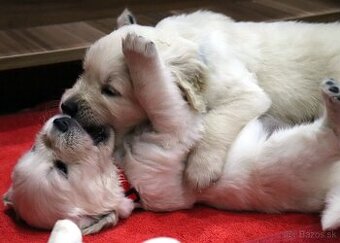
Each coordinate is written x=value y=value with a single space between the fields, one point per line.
x=62 y=124
x=69 y=107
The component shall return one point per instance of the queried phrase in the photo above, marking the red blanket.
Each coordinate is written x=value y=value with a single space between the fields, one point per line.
x=201 y=224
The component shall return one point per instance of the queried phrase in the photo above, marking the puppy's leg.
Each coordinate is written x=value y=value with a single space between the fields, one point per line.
x=65 y=231
x=153 y=158
x=331 y=215
x=222 y=124
x=156 y=90
x=296 y=162
x=309 y=144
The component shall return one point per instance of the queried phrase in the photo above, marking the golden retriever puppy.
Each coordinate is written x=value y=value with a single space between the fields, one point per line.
x=229 y=71
x=288 y=169
x=69 y=173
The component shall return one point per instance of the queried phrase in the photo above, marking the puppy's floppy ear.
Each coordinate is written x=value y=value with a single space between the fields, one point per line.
x=192 y=91
x=101 y=222
x=126 y=18
x=7 y=198
x=189 y=69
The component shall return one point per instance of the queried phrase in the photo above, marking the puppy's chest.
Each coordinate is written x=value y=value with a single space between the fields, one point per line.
x=160 y=193
x=159 y=182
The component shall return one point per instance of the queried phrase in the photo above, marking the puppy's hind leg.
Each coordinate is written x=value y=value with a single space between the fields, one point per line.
x=294 y=163
x=310 y=144
x=331 y=215
x=331 y=95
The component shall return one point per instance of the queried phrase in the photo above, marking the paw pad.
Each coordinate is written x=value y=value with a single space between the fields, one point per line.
x=134 y=44
x=331 y=88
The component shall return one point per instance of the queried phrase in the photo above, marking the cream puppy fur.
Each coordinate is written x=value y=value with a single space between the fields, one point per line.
x=293 y=169
x=69 y=173
x=230 y=71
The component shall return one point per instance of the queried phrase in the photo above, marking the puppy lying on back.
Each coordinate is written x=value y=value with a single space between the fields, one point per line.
x=69 y=174
x=226 y=69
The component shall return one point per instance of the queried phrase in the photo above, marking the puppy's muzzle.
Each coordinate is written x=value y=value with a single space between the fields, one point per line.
x=98 y=134
x=62 y=124
x=69 y=107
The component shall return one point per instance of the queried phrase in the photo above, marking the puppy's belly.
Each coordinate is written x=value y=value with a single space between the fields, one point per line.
x=234 y=188
x=252 y=183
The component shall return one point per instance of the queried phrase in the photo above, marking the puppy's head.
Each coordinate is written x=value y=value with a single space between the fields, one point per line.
x=68 y=174
x=104 y=93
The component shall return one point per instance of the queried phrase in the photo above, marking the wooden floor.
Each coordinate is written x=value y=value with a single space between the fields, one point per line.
x=62 y=42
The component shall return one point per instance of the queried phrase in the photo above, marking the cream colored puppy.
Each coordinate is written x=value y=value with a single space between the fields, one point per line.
x=289 y=169
x=226 y=69
x=69 y=173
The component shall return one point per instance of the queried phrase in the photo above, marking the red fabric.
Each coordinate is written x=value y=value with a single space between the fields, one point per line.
x=130 y=192
x=201 y=224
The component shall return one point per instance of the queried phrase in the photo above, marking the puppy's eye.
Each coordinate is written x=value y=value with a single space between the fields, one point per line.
x=109 y=91
x=61 y=167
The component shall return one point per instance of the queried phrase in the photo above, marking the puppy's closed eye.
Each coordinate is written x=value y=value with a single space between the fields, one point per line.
x=109 y=91
x=61 y=167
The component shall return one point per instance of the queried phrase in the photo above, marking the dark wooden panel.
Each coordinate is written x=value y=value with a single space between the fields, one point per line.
x=40 y=32
x=47 y=44
x=20 y=14
x=28 y=13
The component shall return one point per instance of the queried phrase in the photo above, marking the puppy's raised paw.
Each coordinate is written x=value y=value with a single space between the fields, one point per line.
x=142 y=60
x=138 y=47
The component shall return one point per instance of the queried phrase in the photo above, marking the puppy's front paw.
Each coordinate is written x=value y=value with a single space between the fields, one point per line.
x=203 y=170
x=138 y=48
x=142 y=60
